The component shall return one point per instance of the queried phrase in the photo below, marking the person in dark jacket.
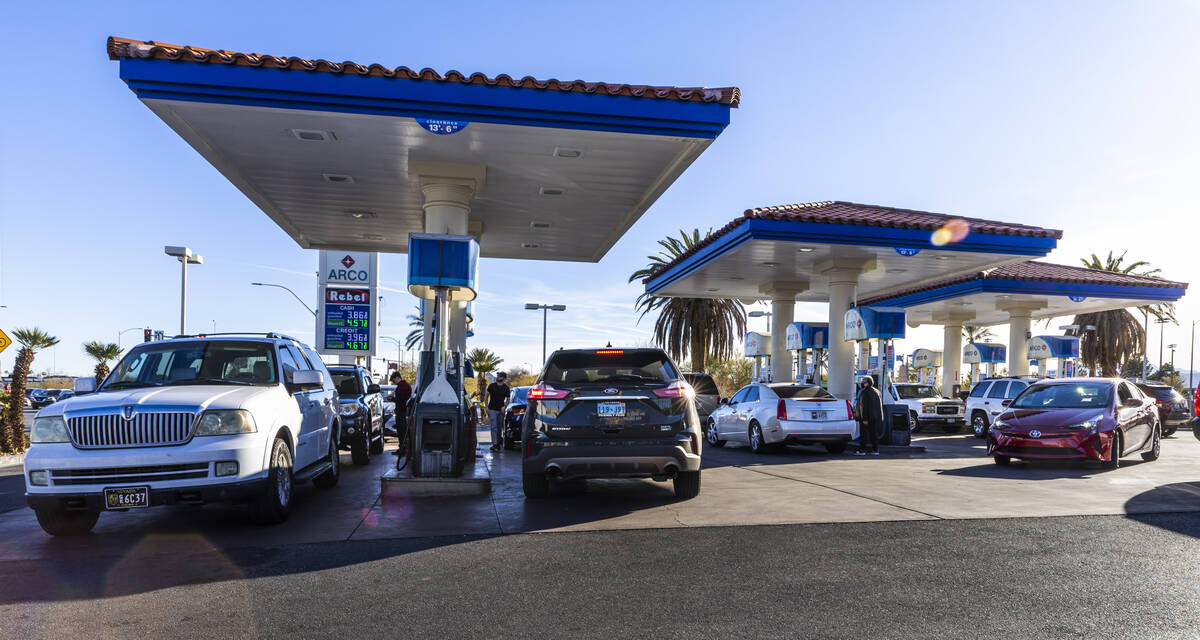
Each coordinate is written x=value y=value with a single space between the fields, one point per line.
x=869 y=409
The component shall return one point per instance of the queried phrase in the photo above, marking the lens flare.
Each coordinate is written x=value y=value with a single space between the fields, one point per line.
x=953 y=231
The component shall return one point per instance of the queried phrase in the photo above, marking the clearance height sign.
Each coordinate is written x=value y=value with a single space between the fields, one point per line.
x=347 y=318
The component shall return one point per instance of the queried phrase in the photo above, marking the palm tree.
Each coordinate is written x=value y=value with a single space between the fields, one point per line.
x=483 y=360
x=12 y=432
x=415 y=336
x=102 y=353
x=701 y=327
x=976 y=334
x=1119 y=336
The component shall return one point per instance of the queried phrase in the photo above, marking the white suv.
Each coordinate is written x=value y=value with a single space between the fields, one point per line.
x=986 y=400
x=927 y=407
x=191 y=420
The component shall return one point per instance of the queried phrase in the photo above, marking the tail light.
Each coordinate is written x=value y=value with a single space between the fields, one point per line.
x=546 y=392
x=677 y=389
x=1196 y=396
x=781 y=409
x=849 y=411
x=610 y=352
x=695 y=442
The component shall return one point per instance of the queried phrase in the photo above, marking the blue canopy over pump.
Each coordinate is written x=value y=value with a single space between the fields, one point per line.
x=1046 y=347
x=985 y=353
x=436 y=260
x=874 y=323
x=807 y=335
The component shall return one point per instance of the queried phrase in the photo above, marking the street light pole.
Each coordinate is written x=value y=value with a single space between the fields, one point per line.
x=546 y=308
x=279 y=286
x=1192 y=360
x=185 y=257
x=123 y=331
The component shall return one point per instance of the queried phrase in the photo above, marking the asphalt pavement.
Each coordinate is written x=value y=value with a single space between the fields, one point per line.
x=1071 y=577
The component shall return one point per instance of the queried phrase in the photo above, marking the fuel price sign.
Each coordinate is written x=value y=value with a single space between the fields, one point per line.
x=346 y=321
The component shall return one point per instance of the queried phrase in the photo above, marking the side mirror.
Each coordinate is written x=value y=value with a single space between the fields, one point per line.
x=308 y=379
x=1005 y=402
x=723 y=401
x=85 y=385
x=374 y=388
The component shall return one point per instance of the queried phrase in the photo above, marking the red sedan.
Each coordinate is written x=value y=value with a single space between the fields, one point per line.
x=1077 y=418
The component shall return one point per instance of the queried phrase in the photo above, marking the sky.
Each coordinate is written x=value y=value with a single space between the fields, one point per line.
x=1079 y=116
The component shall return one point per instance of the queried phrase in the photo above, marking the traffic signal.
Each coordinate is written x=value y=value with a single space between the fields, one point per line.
x=147 y=336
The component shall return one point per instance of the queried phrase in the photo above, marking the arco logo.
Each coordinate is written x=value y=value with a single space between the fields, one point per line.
x=348 y=261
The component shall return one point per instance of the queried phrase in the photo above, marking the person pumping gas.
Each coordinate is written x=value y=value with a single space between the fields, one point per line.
x=868 y=411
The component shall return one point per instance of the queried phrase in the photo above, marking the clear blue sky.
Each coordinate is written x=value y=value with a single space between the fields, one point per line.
x=1075 y=115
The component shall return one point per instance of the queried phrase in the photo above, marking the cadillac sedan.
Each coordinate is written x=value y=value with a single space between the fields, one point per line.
x=1077 y=418
x=769 y=416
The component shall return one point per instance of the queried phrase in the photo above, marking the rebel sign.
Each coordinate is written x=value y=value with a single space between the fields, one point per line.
x=347 y=296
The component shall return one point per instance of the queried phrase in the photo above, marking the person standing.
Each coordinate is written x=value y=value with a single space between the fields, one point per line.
x=497 y=396
x=869 y=410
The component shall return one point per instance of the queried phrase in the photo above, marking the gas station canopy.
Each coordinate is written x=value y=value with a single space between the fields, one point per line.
x=337 y=154
x=1048 y=290
x=791 y=242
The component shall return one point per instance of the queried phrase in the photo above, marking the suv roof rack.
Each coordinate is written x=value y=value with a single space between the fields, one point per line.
x=269 y=334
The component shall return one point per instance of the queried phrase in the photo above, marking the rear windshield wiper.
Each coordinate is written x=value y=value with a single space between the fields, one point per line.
x=129 y=384
x=211 y=381
x=627 y=376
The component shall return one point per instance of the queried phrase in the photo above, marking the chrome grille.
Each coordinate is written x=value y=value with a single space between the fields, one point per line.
x=148 y=429
x=130 y=475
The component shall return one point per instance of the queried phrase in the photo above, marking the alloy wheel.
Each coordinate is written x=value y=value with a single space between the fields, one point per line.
x=712 y=434
x=978 y=425
x=283 y=484
x=755 y=438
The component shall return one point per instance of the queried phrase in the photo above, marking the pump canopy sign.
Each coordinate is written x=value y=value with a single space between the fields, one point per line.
x=354 y=268
x=349 y=294
x=347 y=320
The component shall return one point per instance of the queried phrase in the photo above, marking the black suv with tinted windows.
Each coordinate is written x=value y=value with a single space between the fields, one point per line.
x=360 y=407
x=611 y=413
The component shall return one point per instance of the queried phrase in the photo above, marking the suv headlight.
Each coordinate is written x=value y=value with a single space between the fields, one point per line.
x=49 y=429
x=348 y=409
x=225 y=422
x=927 y=409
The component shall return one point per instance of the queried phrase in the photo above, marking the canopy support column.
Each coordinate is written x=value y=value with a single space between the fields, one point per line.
x=783 y=311
x=1019 y=318
x=843 y=276
x=952 y=352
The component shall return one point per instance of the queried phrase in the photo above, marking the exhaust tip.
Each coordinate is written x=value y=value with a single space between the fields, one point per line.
x=671 y=471
x=553 y=471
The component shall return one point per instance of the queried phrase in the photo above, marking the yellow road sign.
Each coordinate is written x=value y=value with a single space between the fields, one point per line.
x=4 y=341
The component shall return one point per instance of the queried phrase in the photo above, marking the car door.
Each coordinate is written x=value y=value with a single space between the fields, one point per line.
x=374 y=400
x=323 y=397
x=746 y=411
x=726 y=422
x=1141 y=425
x=309 y=439
x=977 y=401
x=993 y=402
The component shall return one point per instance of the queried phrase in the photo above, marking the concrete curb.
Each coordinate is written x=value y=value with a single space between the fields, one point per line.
x=12 y=461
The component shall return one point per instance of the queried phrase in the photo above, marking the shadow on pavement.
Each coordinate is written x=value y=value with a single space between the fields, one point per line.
x=1160 y=507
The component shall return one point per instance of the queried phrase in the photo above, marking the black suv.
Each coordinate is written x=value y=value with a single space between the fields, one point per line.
x=360 y=411
x=611 y=413
x=1173 y=409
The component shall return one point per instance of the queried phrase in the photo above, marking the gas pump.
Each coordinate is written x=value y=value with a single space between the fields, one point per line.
x=803 y=337
x=1065 y=349
x=441 y=269
x=927 y=362
x=987 y=354
x=758 y=346
x=880 y=324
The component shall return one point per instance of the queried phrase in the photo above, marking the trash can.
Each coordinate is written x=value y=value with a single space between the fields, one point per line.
x=896 y=432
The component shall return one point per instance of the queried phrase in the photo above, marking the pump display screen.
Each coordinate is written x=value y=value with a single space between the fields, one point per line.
x=347 y=319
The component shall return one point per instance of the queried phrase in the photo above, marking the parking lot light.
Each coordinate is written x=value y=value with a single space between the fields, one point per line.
x=185 y=257
x=545 y=308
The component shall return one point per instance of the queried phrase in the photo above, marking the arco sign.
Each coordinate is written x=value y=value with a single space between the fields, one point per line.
x=349 y=268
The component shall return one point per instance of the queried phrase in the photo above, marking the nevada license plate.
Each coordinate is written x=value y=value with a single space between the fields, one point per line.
x=820 y=415
x=610 y=409
x=127 y=497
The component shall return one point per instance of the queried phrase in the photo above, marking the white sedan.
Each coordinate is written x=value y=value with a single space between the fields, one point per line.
x=766 y=416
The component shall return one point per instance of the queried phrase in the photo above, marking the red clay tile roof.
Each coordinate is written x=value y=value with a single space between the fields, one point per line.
x=837 y=212
x=126 y=48
x=1040 y=272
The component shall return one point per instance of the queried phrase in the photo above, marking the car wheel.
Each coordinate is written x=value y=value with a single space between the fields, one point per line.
x=1001 y=460
x=377 y=445
x=914 y=424
x=1155 y=446
x=687 y=485
x=757 y=444
x=535 y=485
x=60 y=522
x=711 y=436
x=360 y=451
x=979 y=424
x=275 y=503
x=836 y=447
x=1169 y=431
x=1114 y=453
x=330 y=478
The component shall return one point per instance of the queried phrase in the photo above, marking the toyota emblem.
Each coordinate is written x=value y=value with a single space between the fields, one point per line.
x=128 y=412
x=612 y=391
x=1035 y=434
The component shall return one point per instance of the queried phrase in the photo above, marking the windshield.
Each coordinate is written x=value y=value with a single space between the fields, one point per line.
x=1065 y=396
x=346 y=382
x=795 y=392
x=193 y=362
x=616 y=366
x=911 y=391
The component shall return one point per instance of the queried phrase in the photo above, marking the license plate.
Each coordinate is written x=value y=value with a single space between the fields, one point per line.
x=610 y=409
x=127 y=497
x=820 y=415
